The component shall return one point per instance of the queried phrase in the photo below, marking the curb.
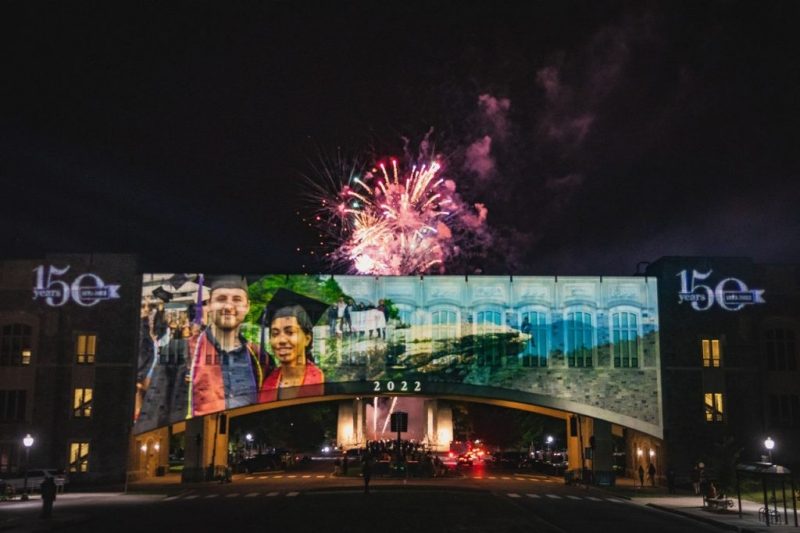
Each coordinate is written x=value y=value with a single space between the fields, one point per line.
x=709 y=521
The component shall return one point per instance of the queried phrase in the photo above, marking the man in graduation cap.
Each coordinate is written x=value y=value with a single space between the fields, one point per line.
x=289 y=319
x=225 y=370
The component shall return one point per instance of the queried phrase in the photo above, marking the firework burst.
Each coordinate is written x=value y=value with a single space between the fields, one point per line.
x=392 y=222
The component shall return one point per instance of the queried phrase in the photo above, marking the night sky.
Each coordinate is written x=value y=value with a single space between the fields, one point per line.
x=597 y=134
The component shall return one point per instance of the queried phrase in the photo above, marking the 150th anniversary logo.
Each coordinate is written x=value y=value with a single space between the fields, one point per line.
x=85 y=290
x=731 y=294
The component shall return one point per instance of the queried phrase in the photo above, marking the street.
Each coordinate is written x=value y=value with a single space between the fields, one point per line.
x=307 y=500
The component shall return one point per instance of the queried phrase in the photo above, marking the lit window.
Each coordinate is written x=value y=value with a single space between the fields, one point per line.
x=714 y=407
x=780 y=349
x=79 y=457
x=711 y=356
x=444 y=331
x=625 y=334
x=15 y=342
x=85 y=348
x=579 y=339
x=535 y=351
x=82 y=403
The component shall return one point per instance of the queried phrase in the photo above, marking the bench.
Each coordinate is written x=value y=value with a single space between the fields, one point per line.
x=774 y=515
x=717 y=504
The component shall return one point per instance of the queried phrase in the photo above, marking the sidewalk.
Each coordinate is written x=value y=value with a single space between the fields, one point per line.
x=687 y=504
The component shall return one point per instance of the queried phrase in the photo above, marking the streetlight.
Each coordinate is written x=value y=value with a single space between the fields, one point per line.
x=27 y=441
x=249 y=439
x=769 y=444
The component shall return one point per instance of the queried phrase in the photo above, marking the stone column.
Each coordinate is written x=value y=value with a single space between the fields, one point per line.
x=206 y=447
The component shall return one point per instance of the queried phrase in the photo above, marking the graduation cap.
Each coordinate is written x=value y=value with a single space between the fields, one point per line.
x=307 y=311
x=162 y=294
x=177 y=280
x=227 y=281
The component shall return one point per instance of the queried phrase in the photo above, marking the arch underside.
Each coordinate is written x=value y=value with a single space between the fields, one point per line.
x=525 y=401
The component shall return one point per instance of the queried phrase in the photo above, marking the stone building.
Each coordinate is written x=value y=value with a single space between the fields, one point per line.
x=67 y=359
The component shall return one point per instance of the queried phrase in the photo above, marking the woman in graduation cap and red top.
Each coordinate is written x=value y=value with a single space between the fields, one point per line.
x=290 y=340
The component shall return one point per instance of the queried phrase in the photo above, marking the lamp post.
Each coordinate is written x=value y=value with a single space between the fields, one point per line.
x=249 y=439
x=769 y=444
x=27 y=441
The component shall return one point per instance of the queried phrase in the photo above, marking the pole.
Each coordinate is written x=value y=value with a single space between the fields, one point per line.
x=766 y=502
x=785 y=512
x=739 y=493
x=27 y=464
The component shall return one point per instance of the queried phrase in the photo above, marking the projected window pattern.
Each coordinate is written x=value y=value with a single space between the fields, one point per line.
x=579 y=339
x=625 y=335
x=490 y=345
x=534 y=324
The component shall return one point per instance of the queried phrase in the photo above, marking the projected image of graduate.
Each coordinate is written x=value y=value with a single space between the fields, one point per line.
x=289 y=319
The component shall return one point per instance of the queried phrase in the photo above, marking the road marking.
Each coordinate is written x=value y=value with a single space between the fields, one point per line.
x=520 y=478
x=571 y=497
x=273 y=493
x=492 y=477
x=615 y=500
x=232 y=495
x=477 y=477
x=306 y=477
x=169 y=498
x=513 y=495
x=251 y=494
x=211 y=495
x=594 y=498
x=554 y=496
x=320 y=477
x=290 y=477
x=263 y=477
x=250 y=477
x=276 y=477
x=192 y=496
x=504 y=477
x=530 y=495
x=292 y=494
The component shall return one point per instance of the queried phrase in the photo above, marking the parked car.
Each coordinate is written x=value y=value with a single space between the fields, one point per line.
x=36 y=477
x=261 y=463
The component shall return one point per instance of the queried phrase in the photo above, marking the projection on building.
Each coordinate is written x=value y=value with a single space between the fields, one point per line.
x=581 y=344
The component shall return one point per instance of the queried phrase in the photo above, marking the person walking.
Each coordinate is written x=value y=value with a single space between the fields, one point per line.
x=366 y=471
x=651 y=474
x=48 y=496
x=671 y=481
x=696 y=480
x=641 y=476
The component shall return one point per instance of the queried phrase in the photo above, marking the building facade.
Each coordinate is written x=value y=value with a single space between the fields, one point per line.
x=729 y=360
x=721 y=358
x=67 y=363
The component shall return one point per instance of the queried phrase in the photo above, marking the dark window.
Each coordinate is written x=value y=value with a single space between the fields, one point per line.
x=15 y=345
x=12 y=405
x=779 y=347
x=784 y=410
